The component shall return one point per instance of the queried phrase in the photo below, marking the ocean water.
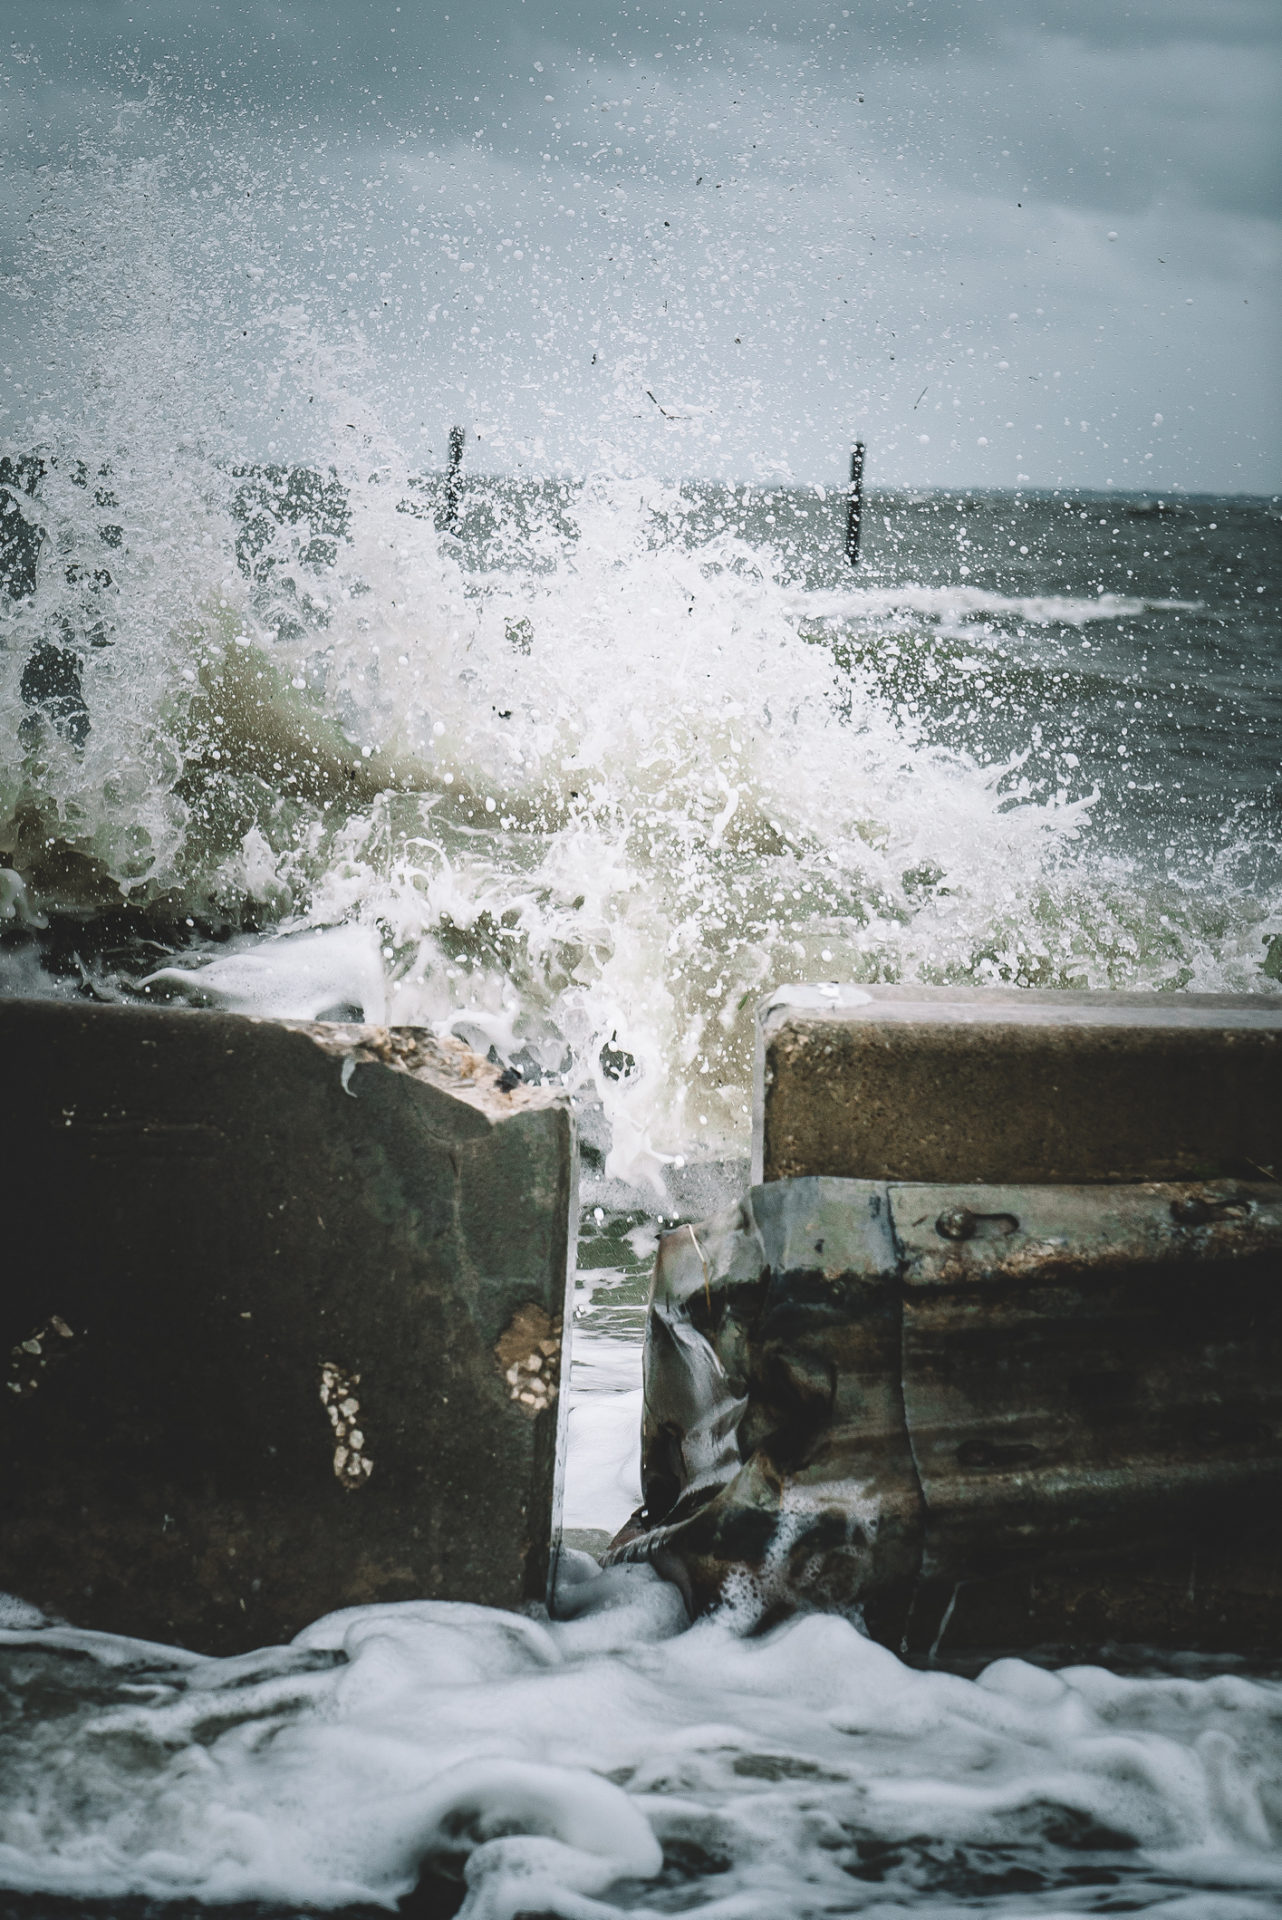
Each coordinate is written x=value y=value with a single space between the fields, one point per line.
x=578 y=775
x=578 y=780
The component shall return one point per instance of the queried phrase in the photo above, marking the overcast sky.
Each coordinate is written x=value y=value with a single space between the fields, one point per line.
x=1002 y=242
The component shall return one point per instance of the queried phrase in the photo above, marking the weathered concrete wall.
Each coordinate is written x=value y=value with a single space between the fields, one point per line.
x=913 y=1083
x=280 y=1319
x=981 y=1416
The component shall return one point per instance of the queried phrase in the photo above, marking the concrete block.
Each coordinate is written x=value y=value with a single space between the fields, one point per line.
x=979 y=1416
x=280 y=1321
x=956 y=1084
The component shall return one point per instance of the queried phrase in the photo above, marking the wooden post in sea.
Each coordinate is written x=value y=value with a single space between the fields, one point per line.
x=855 y=503
x=454 y=478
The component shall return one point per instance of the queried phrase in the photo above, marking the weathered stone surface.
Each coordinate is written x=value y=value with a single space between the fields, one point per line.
x=280 y=1321
x=918 y=1083
x=980 y=1416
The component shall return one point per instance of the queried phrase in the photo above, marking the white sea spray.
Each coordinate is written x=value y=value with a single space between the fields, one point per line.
x=591 y=849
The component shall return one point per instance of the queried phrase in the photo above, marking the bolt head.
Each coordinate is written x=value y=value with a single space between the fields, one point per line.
x=956 y=1223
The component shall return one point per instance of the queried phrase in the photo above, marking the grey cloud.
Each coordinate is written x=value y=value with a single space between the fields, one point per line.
x=823 y=260
x=1093 y=103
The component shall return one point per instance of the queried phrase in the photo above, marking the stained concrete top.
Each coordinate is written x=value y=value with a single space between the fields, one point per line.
x=1003 y=1084
x=1021 y=1006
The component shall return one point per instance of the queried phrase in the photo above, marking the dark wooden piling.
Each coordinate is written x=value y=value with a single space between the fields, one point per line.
x=454 y=478
x=855 y=503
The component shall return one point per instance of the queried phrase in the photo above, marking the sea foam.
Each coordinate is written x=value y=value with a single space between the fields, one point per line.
x=564 y=1761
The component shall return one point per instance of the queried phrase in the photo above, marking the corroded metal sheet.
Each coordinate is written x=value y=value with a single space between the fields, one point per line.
x=975 y=1415
x=1093 y=1382
x=774 y=1449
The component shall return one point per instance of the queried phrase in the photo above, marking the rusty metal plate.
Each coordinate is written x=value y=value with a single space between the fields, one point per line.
x=1092 y=1372
x=974 y=1415
x=773 y=1442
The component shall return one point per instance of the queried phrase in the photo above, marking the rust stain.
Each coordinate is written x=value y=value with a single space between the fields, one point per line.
x=528 y=1355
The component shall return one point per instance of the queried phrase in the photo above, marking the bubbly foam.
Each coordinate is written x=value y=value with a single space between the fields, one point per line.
x=555 y=1764
x=334 y=973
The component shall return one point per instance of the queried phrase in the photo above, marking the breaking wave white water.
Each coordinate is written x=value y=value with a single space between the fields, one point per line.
x=588 y=806
x=586 y=768
x=960 y=602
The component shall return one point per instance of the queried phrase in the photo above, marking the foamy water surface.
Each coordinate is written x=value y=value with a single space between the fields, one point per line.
x=613 y=1760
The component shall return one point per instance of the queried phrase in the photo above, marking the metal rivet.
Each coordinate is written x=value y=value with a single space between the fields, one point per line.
x=956 y=1223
